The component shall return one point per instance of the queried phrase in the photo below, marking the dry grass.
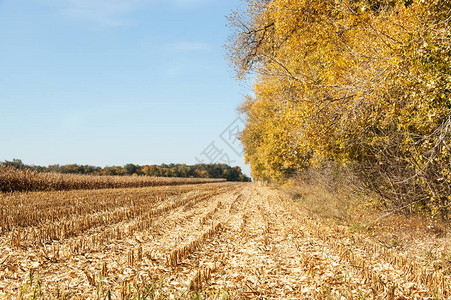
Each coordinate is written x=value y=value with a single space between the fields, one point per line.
x=331 y=194
x=417 y=244
x=13 y=180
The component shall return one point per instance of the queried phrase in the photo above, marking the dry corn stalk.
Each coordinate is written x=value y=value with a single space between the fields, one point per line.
x=14 y=180
x=176 y=256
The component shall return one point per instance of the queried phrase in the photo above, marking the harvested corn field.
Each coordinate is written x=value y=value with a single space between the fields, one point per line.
x=213 y=241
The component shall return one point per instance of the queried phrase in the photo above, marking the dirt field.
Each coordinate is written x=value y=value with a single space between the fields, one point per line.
x=214 y=241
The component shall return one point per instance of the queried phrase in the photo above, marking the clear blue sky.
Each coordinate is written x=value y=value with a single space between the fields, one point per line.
x=108 y=82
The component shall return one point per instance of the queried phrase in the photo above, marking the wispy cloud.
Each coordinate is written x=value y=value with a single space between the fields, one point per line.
x=187 y=3
x=102 y=12
x=110 y=12
x=190 y=46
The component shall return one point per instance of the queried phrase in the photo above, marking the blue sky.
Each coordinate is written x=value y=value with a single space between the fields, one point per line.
x=108 y=82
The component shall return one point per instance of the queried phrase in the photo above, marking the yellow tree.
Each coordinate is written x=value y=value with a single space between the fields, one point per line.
x=353 y=81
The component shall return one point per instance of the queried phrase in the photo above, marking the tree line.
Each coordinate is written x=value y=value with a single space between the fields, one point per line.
x=363 y=84
x=164 y=170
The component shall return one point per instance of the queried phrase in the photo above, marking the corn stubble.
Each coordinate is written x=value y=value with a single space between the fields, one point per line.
x=210 y=241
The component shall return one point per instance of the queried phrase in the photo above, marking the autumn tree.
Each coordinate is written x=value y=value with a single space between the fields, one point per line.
x=362 y=83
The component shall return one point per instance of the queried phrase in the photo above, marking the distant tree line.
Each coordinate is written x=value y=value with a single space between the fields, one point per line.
x=163 y=170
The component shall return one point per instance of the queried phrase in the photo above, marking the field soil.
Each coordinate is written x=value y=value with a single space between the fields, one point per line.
x=213 y=241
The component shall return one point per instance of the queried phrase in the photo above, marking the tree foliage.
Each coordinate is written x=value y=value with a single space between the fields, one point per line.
x=364 y=83
x=164 y=170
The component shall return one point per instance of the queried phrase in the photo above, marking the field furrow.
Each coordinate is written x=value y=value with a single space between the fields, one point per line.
x=238 y=241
